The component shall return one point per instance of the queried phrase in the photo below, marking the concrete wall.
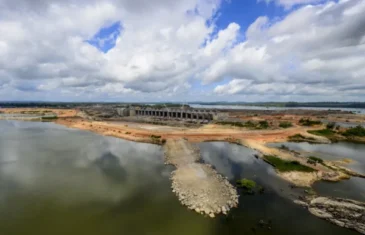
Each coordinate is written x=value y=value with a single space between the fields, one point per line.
x=194 y=115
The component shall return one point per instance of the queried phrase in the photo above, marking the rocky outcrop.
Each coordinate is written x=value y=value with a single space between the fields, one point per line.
x=342 y=212
x=197 y=185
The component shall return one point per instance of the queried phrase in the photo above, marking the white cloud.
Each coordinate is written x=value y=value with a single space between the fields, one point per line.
x=314 y=50
x=44 y=51
x=290 y=3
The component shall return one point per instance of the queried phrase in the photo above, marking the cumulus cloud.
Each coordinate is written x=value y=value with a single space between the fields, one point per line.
x=314 y=50
x=162 y=47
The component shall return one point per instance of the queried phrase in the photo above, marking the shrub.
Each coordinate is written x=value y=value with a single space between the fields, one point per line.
x=246 y=184
x=330 y=125
x=355 y=131
x=155 y=136
x=316 y=159
x=163 y=141
x=324 y=132
x=286 y=166
x=285 y=124
x=299 y=138
x=284 y=147
x=263 y=124
x=308 y=122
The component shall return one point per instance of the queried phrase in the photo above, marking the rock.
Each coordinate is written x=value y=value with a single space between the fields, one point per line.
x=211 y=215
x=338 y=223
x=320 y=213
x=197 y=210
x=301 y=203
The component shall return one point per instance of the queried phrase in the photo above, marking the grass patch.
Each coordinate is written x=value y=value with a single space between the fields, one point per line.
x=49 y=118
x=285 y=124
x=358 y=131
x=309 y=122
x=286 y=166
x=246 y=184
x=300 y=138
x=248 y=124
x=323 y=132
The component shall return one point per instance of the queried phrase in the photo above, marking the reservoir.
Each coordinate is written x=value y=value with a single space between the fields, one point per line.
x=55 y=180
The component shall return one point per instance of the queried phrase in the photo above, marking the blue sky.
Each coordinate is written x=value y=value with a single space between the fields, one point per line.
x=138 y=50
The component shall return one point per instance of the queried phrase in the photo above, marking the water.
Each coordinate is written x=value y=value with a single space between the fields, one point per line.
x=275 y=204
x=335 y=151
x=353 y=188
x=55 y=180
x=355 y=110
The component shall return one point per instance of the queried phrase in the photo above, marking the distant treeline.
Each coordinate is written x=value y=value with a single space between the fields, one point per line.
x=294 y=104
x=172 y=105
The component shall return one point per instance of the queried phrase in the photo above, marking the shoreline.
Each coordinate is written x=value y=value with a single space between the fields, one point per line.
x=255 y=140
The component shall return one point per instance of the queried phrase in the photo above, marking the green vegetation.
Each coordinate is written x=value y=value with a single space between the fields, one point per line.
x=263 y=124
x=300 y=138
x=331 y=125
x=357 y=131
x=248 y=124
x=155 y=136
x=128 y=133
x=247 y=185
x=48 y=118
x=309 y=122
x=316 y=159
x=285 y=124
x=323 y=132
x=237 y=124
x=286 y=166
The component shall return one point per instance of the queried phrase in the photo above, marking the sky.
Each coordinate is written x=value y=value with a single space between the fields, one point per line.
x=182 y=50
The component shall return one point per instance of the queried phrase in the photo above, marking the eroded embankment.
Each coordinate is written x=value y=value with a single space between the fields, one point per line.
x=197 y=185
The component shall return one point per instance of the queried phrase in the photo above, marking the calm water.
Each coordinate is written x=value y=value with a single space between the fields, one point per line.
x=55 y=180
x=353 y=188
x=362 y=111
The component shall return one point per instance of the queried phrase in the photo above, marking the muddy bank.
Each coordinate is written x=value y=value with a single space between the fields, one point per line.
x=197 y=185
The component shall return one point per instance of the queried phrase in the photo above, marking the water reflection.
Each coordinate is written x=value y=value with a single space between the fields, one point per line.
x=55 y=180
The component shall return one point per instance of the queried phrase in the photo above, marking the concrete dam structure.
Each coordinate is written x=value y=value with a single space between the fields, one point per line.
x=189 y=114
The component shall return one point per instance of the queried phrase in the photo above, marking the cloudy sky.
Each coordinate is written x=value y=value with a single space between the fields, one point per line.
x=182 y=50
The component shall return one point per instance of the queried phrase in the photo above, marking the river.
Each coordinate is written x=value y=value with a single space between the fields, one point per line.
x=55 y=180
